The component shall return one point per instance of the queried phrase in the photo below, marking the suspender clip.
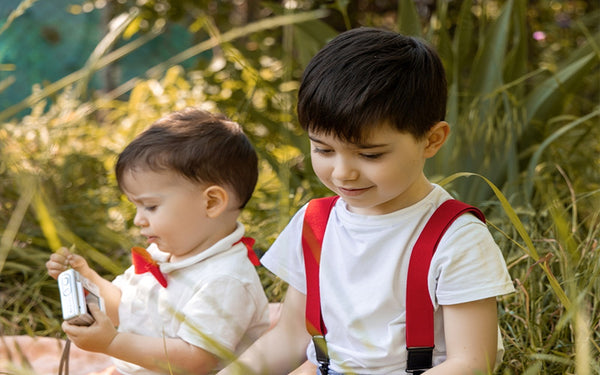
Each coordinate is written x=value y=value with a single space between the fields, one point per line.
x=419 y=359
x=321 y=352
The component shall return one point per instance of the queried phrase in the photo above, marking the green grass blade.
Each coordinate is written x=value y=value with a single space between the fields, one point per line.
x=19 y=11
x=107 y=42
x=228 y=36
x=409 y=22
x=46 y=222
x=309 y=38
x=517 y=60
x=464 y=34
x=550 y=95
x=535 y=159
x=487 y=68
x=55 y=230
x=510 y=212
x=16 y=218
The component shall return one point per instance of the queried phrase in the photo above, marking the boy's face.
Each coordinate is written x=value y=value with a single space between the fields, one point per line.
x=171 y=211
x=381 y=174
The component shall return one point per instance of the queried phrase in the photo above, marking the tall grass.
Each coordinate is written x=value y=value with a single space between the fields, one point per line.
x=550 y=325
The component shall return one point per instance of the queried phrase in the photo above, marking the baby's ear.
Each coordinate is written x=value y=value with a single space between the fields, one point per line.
x=436 y=137
x=216 y=200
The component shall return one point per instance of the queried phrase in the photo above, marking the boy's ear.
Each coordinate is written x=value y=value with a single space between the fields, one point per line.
x=216 y=200
x=436 y=137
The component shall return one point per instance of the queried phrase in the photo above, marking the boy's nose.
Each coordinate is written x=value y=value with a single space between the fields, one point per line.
x=344 y=170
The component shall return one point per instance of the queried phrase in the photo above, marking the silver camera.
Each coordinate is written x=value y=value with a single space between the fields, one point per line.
x=75 y=293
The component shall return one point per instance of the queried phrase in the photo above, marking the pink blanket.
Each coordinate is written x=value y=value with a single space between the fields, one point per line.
x=41 y=355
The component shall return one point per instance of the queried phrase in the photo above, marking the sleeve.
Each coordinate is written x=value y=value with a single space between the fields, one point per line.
x=218 y=315
x=284 y=258
x=468 y=265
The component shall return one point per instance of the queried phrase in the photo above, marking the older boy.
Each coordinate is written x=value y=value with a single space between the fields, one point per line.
x=373 y=104
x=189 y=176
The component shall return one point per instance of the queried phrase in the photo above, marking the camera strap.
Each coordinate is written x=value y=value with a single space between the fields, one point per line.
x=64 y=359
x=419 y=308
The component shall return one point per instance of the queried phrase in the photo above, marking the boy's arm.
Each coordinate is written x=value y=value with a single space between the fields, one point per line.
x=307 y=368
x=152 y=353
x=281 y=349
x=471 y=331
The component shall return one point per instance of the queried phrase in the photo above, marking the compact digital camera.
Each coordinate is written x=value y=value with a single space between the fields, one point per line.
x=75 y=293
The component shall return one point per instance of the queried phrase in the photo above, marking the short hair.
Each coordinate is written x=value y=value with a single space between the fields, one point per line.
x=200 y=146
x=365 y=77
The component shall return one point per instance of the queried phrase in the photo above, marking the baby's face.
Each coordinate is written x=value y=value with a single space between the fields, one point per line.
x=380 y=174
x=170 y=210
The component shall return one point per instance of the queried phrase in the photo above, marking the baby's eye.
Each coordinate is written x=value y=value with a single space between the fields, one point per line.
x=150 y=208
x=318 y=150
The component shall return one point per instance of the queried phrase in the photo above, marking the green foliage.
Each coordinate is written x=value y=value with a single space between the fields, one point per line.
x=497 y=104
x=517 y=107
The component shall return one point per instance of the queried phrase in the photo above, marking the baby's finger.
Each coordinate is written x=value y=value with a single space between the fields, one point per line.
x=76 y=261
x=54 y=269
x=63 y=251
x=95 y=310
x=72 y=330
x=58 y=258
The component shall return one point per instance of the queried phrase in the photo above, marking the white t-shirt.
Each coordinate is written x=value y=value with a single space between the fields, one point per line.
x=363 y=271
x=213 y=300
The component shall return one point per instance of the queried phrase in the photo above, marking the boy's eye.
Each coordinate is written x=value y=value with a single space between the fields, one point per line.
x=371 y=156
x=150 y=208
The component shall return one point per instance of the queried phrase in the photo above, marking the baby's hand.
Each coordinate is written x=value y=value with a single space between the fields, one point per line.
x=95 y=338
x=62 y=259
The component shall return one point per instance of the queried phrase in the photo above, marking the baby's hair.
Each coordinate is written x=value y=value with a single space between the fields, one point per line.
x=366 y=77
x=200 y=146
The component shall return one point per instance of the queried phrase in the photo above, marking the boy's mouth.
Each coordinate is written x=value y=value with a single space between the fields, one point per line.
x=352 y=192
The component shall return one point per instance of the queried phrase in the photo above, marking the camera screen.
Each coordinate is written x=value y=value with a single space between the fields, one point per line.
x=91 y=297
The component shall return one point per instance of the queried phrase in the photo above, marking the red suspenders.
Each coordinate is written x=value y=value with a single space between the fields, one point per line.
x=419 y=309
x=313 y=231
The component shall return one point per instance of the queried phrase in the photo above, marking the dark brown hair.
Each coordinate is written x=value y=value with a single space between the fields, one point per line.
x=200 y=146
x=365 y=77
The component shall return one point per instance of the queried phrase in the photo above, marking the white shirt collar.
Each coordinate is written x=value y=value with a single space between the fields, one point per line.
x=222 y=245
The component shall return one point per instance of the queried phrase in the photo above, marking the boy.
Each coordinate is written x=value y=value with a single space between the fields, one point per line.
x=189 y=175
x=373 y=104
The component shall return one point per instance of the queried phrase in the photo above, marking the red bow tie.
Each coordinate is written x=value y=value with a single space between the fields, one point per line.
x=249 y=242
x=143 y=262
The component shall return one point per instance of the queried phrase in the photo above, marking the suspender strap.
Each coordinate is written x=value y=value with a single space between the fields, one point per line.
x=313 y=231
x=419 y=308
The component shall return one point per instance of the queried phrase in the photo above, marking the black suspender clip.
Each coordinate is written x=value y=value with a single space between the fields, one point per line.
x=321 y=352
x=419 y=360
